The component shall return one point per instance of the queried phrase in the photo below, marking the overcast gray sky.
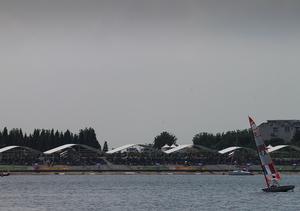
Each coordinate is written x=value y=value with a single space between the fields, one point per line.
x=134 y=68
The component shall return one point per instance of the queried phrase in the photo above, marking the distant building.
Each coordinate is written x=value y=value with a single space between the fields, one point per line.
x=283 y=129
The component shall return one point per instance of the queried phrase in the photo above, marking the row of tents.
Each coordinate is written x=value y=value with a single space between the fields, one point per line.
x=178 y=148
x=139 y=148
x=51 y=151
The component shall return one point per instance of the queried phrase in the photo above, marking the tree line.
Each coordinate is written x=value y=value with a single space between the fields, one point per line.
x=43 y=139
x=242 y=138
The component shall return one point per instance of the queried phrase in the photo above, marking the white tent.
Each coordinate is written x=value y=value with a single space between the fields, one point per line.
x=122 y=148
x=177 y=148
x=229 y=149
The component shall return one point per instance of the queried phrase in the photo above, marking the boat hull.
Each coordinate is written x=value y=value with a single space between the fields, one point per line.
x=240 y=173
x=279 y=188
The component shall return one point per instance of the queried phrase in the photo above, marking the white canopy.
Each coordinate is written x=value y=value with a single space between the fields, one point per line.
x=180 y=147
x=121 y=148
x=57 y=149
x=229 y=149
x=165 y=146
x=60 y=148
x=272 y=149
x=7 y=148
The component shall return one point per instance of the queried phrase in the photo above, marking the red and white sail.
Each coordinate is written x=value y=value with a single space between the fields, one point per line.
x=268 y=166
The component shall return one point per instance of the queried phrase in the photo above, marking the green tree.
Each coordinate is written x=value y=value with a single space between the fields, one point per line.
x=207 y=139
x=88 y=137
x=45 y=139
x=5 y=137
x=68 y=137
x=163 y=139
x=105 y=147
x=296 y=139
x=275 y=141
x=242 y=138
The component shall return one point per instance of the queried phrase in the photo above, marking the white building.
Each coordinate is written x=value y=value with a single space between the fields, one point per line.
x=283 y=129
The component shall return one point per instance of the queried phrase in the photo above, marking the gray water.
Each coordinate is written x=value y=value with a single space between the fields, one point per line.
x=143 y=192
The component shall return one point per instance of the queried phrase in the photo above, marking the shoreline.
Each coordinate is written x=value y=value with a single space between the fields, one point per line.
x=133 y=172
x=137 y=170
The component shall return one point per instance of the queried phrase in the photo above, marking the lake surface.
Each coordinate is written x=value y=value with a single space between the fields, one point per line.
x=143 y=192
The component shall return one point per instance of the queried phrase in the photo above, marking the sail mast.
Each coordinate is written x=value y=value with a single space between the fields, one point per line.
x=262 y=167
x=267 y=164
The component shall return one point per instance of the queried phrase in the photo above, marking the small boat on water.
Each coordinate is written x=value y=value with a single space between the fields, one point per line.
x=272 y=176
x=4 y=174
x=240 y=172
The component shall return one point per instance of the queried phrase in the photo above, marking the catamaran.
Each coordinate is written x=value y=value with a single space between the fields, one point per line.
x=271 y=175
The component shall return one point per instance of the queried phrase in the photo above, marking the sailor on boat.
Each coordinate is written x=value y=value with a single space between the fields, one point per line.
x=274 y=183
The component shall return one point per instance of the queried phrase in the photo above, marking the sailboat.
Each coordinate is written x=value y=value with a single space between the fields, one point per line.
x=272 y=176
x=240 y=171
